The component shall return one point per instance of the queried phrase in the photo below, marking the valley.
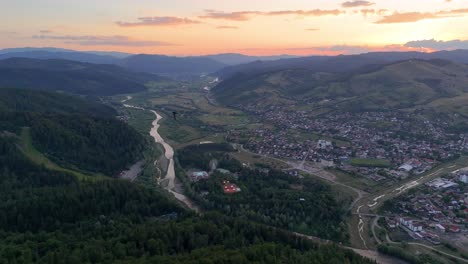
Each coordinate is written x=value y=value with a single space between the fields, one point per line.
x=303 y=155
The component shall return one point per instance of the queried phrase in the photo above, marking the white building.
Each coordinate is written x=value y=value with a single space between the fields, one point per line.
x=440 y=228
x=406 y=167
x=323 y=144
x=464 y=178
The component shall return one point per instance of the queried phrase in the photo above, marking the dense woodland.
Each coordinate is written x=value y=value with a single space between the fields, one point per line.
x=52 y=217
x=90 y=139
x=274 y=197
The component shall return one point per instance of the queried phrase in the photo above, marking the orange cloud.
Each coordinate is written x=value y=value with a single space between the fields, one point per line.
x=89 y=40
x=227 y=27
x=247 y=15
x=312 y=29
x=406 y=17
x=366 y=12
x=397 y=17
x=236 y=16
x=158 y=21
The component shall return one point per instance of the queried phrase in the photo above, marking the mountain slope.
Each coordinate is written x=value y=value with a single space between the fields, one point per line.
x=58 y=54
x=235 y=59
x=393 y=86
x=89 y=139
x=71 y=76
x=19 y=100
x=339 y=64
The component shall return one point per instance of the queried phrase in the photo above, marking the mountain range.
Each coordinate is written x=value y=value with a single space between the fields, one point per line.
x=337 y=64
x=428 y=84
x=150 y=63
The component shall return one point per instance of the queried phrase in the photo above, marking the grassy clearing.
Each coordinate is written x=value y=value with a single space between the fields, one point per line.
x=357 y=182
x=253 y=159
x=224 y=120
x=139 y=119
x=37 y=157
x=370 y=163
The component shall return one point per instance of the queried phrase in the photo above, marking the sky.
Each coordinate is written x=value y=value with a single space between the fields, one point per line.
x=253 y=27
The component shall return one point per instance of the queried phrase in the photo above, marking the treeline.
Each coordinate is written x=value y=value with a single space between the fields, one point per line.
x=403 y=254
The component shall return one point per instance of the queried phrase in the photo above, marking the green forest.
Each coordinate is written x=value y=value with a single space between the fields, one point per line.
x=271 y=197
x=89 y=139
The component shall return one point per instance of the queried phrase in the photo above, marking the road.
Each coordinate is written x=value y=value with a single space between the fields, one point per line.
x=132 y=173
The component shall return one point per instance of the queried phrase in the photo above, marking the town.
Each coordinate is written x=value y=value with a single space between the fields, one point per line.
x=376 y=145
x=435 y=212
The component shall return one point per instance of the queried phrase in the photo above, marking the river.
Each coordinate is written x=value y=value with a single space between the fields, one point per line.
x=169 y=154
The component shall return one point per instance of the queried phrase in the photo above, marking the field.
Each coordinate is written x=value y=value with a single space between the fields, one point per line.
x=370 y=163
x=357 y=182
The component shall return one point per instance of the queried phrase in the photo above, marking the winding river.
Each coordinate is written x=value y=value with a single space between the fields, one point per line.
x=169 y=154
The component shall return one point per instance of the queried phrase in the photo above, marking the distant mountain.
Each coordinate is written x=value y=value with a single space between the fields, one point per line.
x=118 y=55
x=29 y=49
x=235 y=59
x=71 y=76
x=171 y=66
x=337 y=64
x=62 y=55
x=398 y=85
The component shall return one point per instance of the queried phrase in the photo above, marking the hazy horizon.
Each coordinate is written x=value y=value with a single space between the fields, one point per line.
x=249 y=27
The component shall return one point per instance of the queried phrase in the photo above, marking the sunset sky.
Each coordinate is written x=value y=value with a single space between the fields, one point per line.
x=255 y=27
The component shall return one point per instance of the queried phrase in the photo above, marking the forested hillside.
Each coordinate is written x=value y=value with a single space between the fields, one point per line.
x=90 y=139
x=22 y=100
x=53 y=217
x=72 y=77
x=275 y=198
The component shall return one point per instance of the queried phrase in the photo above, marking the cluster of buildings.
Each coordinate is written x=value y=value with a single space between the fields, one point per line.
x=410 y=142
x=230 y=188
x=438 y=207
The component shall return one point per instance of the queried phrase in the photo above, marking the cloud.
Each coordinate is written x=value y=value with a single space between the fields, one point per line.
x=9 y=33
x=366 y=12
x=350 y=4
x=103 y=40
x=312 y=29
x=407 y=17
x=350 y=49
x=247 y=15
x=314 y=12
x=158 y=21
x=438 y=44
x=236 y=16
x=45 y=31
x=227 y=27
